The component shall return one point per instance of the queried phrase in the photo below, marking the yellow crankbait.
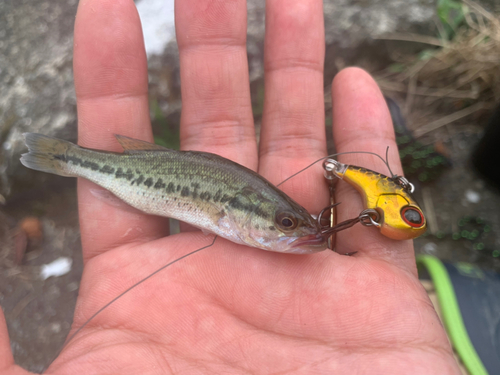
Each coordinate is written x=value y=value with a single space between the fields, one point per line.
x=387 y=200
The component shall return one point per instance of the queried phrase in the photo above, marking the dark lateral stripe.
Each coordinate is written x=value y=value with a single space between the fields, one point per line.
x=205 y=196
x=225 y=198
x=127 y=175
x=195 y=187
x=78 y=161
x=185 y=191
x=90 y=164
x=159 y=184
x=217 y=196
x=170 y=188
x=138 y=180
x=107 y=169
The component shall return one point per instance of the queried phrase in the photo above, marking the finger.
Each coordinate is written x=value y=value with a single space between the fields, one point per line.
x=362 y=122
x=111 y=87
x=293 y=124
x=6 y=359
x=216 y=107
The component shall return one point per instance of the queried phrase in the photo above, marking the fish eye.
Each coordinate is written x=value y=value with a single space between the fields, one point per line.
x=286 y=221
x=412 y=216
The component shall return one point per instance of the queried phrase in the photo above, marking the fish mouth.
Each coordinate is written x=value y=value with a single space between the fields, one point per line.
x=312 y=241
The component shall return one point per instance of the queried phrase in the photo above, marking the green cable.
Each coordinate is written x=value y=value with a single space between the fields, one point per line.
x=452 y=317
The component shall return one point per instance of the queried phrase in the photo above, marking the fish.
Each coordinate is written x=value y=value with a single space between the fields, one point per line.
x=398 y=215
x=203 y=189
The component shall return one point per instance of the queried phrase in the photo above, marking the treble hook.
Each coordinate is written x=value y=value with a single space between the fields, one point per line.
x=333 y=219
x=368 y=217
x=404 y=183
x=321 y=214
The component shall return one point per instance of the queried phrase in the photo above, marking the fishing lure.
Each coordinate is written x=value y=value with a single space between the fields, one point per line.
x=388 y=203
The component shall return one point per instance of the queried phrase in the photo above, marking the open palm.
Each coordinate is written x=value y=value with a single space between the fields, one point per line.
x=230 y=308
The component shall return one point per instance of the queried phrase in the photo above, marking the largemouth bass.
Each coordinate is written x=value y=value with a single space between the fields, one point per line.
x=199 y=188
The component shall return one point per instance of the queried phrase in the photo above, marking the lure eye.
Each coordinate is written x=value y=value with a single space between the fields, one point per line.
x=412 y=216
x=286 y=221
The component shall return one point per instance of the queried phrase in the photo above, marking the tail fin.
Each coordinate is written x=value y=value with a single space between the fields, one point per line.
x=46 y=154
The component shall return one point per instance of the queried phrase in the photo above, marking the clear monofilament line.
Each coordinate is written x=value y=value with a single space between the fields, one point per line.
x=126 y=291
x=386 y=162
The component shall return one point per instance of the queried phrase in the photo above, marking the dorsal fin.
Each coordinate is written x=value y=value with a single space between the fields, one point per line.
x=131 y=145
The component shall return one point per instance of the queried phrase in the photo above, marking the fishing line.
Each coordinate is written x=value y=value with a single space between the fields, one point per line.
x=126 y=291
x=386 y=162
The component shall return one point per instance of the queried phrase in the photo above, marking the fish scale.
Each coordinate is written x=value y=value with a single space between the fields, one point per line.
x=189 y=192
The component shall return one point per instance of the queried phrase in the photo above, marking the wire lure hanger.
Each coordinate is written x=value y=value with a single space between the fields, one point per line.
x=388 y=203
x=333 y=216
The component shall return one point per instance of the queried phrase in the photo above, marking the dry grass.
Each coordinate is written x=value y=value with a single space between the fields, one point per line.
x=459 y=79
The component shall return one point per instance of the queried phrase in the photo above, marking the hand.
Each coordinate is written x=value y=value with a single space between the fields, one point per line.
x=230 y=308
